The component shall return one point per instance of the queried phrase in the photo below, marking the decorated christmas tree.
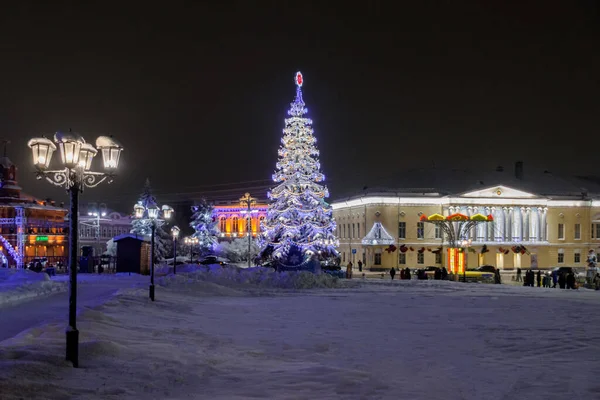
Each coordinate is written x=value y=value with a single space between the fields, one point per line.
x=142 y=226
x=299 y=225
x=205 y=227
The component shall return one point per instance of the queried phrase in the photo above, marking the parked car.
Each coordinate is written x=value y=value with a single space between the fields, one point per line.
x=213 y=260
x=484 y=268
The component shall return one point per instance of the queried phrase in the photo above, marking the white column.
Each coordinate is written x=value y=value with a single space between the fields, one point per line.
x=507 y=223
x=533 y=224
x=526 y=224
x=540 y=231
x=490 y=225
x=481 y=227
x=544 y=224
x=499 y=234
x=516 y=224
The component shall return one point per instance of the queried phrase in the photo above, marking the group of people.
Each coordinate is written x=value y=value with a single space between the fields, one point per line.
x=564 y=279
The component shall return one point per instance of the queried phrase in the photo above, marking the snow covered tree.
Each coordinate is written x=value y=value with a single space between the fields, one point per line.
x=237 y=249
x=142 y=226
x=205 y=227
x=111 y=248
x=299 y=224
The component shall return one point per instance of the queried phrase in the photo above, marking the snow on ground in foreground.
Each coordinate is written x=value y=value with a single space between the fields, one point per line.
x=381 y=340
x=21 y=284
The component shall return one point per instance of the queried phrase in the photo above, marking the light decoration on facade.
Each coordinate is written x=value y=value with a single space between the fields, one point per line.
x=13 y=253
x=299 y=222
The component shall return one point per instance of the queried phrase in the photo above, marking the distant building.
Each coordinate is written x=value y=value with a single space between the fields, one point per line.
x=231 y=219
x=540 y=221
x=29 y=227
x=97 y=225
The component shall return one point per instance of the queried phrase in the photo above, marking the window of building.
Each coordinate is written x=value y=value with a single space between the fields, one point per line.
x=561 y=257
x=358 y=230
x=377 y=259
x=353 y=230
x=222 y=224
x=401 y=230
x=561 y=231
x=577 y=256
x=344 y=257
x=234 y=223
x=349 y=231
x=597 y=231
x=577 y=233
x=401 y=258
x=592 y=231
x=420 y=258
x=420 y=230
x=438 y=232
x=438 y=258
x=344 y=231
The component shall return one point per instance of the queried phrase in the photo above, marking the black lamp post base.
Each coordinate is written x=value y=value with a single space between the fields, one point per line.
x=73 y=346
x=152 y=292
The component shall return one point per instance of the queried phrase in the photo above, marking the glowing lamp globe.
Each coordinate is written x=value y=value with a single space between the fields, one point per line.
x=138 y=210
x=111 y=151
x=69 y=145
x=42 y=150
x=86 y=155
x=167 y=211
x=175 y=232
x=153 y=212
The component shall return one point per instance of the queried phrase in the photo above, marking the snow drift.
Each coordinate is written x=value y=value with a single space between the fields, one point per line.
x=21 y=284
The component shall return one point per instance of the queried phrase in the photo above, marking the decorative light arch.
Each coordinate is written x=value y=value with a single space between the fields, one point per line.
x=14 y=254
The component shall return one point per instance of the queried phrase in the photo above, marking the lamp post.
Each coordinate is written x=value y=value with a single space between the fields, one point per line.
x=191 y=241
x=97 y=213
x=153 y=217
x=76 y=156
x=248 y=201
x=175 y=234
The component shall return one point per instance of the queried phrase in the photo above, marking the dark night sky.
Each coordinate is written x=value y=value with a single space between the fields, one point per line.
x=198 y=93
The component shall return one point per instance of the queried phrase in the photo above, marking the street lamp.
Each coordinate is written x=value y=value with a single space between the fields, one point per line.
x=175 y=234
x=191 y=241
x=76 y=156
x=150 y=215
x=96 y=212
x=248 y=201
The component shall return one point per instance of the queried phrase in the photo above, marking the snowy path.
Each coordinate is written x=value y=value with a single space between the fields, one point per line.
x=18 y=317
x=406 y=340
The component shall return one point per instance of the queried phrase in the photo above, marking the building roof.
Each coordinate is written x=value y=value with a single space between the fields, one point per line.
x=432 y=182
x=131 y=236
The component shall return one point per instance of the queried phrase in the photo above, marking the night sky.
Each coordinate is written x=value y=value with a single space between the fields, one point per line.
x=197 y=94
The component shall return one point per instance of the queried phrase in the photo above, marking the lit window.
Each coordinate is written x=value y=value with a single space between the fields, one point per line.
x=222 y=224
x=234 y=223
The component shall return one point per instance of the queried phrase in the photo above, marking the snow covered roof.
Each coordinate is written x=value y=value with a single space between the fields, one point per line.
x=378 y=236
x=131 y=236
x=437 y=182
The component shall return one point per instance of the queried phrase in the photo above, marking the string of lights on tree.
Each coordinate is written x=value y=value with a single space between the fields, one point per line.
x=299 y=222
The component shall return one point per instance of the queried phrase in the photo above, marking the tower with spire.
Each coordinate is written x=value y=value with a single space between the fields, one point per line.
x=299 y=227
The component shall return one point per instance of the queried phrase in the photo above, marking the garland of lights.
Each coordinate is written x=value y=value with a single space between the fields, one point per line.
x=14 y=254
x=299 y=222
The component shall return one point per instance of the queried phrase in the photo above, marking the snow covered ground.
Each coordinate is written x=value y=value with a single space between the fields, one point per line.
x=225 y=334
x=20 y=284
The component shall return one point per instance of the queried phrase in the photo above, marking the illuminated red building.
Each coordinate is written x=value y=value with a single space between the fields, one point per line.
x=29 y=227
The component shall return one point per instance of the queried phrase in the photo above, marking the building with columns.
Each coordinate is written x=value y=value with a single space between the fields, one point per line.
x=231 y=218
x=554 y=226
